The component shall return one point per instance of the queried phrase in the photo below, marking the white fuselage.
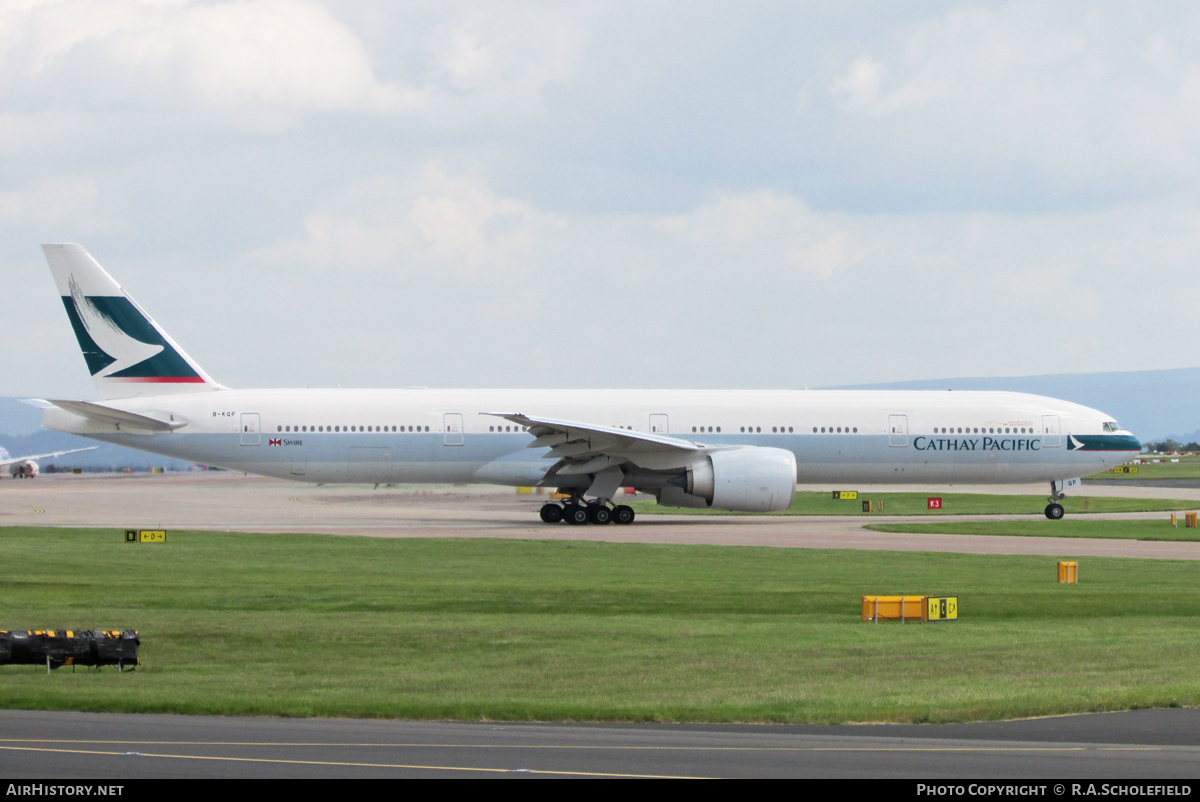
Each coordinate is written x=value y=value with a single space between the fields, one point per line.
x=420 y=435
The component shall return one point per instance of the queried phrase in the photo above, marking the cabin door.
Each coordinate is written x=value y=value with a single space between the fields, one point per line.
x=1051 y=437
x=897 y=430
x=453 y=429
x=658 y=424
x=249 y=428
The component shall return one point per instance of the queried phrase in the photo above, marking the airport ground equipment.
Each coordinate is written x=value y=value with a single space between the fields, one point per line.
x=909 y=609
x=66 y=647
x=1068 y=573
x=1189 y=520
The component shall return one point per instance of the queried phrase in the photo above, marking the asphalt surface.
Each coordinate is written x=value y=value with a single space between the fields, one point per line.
x=1137 y=744
x=230 y=501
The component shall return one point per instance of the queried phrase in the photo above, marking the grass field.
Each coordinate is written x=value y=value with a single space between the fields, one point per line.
x=313 y=625
x=810 y=503
x=1119 y=530
x=1186 y=468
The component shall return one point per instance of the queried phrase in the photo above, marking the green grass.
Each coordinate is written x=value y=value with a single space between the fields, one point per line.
x=811 y=503
x=1186 y=468
x=1118 y=530
x=314 y=625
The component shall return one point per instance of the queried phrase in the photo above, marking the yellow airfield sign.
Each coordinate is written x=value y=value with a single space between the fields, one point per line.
x=145 y=536
x=941 y=608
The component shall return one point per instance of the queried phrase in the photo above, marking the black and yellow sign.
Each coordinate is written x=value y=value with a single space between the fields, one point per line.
x=845 y=495
x=145 y=536
x=941 y=608
x=1124 y=469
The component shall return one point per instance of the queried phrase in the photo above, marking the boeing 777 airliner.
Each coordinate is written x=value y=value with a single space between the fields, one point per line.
x=727 y=449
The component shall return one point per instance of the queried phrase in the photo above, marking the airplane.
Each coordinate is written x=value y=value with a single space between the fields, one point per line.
x=740 y=450
x=27 y=467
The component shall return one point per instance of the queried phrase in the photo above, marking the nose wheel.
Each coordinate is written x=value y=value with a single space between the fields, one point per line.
x=1054 y=510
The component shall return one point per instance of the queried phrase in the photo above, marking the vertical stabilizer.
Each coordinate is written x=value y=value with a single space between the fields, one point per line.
x=125 y=350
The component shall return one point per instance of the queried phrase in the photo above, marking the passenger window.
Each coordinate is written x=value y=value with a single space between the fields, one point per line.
x=856 y=430
x=279 y=428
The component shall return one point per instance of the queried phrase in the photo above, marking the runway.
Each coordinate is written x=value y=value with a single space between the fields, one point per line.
x=236 y=502
x=1136 y=744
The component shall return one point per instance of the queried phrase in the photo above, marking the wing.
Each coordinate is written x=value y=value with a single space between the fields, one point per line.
x=586 y=448
x=11 y=460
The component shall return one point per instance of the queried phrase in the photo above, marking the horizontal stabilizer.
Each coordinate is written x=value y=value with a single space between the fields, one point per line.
x=103 y=414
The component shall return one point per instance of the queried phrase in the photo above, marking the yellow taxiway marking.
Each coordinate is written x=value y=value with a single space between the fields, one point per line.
x=355 y=765
x=595 y=747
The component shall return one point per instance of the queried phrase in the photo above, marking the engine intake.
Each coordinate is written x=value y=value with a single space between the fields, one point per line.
x=752 y=479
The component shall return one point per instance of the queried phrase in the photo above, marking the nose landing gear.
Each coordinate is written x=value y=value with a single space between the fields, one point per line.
x=1054 y=510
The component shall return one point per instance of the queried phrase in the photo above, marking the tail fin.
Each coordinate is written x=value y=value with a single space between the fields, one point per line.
x=125 y=350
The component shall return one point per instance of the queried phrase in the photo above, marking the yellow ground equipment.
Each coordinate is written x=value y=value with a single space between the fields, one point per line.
x=909 y=609
x=1068 y=573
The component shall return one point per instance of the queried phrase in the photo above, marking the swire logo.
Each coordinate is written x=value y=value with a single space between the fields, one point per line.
x=273 y=442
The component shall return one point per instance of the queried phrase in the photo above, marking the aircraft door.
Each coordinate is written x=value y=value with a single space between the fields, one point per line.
x=897 y=430
x=454 y=429
x=250 y=429
x=659 y=424
x=1051 y=436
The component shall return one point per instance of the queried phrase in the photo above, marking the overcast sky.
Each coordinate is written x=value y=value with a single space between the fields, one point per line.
x=619 y=194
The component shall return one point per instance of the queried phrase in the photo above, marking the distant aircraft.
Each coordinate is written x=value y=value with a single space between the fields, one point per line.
x=26 y=467
x=726 y=449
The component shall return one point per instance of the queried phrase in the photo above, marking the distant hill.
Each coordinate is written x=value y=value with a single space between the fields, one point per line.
x=18 y=418
x=1150 y=403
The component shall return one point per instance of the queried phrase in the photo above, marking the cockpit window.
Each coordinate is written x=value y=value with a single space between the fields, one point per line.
x=1112 y=426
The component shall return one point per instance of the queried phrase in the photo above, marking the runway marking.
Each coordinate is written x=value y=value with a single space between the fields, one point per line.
x=634 y=748
x=358 y=765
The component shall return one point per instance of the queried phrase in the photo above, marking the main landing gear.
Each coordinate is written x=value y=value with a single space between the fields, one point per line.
x=1054 y=510
x=578 y=513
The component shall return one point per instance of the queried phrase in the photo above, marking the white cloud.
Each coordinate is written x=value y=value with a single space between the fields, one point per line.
x=435 y=220
x=506 y=52
x=63 y=199
x=262 y=61
x=771 y=230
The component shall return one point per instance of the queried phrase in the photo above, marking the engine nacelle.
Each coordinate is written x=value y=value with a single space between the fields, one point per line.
x=750 y=479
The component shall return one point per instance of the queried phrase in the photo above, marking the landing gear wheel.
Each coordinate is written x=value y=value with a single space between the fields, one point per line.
x=599 y=514
x=623 y=514
x=1055 y=511
x=575 y=514
x=551 y=513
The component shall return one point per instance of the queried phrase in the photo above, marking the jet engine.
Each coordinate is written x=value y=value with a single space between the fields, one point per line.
x=751 y=479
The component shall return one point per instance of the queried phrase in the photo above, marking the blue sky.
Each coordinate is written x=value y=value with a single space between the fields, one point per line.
x=617 y=194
